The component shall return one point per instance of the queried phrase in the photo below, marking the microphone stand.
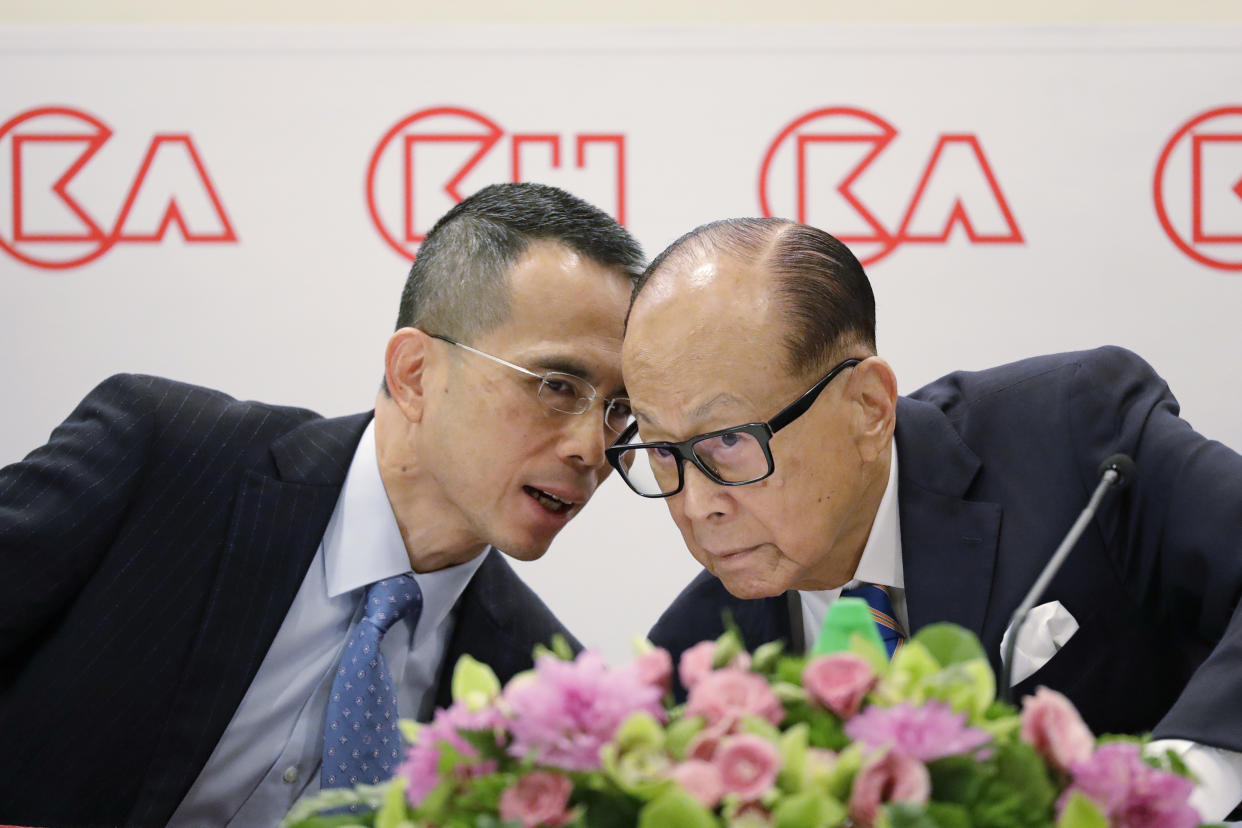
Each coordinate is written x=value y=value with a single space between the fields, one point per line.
x=1116 y=471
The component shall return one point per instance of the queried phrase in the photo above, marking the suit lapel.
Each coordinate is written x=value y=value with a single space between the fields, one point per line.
x=948 y=543
x=279 y=516
x=480 y=631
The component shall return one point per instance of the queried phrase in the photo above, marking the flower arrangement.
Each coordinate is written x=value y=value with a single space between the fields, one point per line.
x=847 y=738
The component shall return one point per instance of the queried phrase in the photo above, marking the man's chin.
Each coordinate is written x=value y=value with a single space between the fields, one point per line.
x=749 y=589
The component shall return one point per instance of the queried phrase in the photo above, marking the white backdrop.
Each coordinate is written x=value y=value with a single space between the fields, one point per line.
x=1014 y=191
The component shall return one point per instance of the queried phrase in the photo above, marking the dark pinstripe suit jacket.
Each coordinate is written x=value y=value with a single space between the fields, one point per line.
x=993 y=468
x=148 y=554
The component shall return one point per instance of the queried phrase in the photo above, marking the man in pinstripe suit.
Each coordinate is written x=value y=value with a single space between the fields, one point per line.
x=179 y=570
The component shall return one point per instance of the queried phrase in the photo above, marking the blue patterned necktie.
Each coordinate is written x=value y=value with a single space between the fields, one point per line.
x=361 y=743
x=881 y=605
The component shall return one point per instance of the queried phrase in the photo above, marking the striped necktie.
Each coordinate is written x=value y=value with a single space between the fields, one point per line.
x=881 y=605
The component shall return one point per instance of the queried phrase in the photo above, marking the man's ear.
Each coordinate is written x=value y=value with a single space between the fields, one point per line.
x=873 y=387
x=405 y=363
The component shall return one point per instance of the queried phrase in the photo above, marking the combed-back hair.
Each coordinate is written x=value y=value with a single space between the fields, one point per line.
x=819 y=284
x=459 y=283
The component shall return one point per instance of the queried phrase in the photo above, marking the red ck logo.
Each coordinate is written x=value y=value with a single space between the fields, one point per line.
x=1198 y=188
x=816 y=171
x=61 y=189
x=434 y=158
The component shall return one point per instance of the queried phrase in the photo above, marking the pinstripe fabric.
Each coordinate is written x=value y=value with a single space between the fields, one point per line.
x=148 y=554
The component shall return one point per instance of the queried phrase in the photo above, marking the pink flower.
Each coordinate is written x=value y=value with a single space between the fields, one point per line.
x=1052 y=726
x=567 y=710
x=747 y=765
x=889 y=777
x=1131 y=793
x=723 y=697
x=839 y=682
x=655 y=667
x=538 y=798
x=421 y=763
x=923 y=733
x=696 y=662
x=701 y=780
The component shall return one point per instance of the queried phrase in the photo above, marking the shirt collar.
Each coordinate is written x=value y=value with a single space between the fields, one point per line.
x=881 y=557
x=363 y=544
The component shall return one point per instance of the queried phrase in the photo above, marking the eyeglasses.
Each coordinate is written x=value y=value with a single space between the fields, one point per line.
x=731 y=457
x=563 y=392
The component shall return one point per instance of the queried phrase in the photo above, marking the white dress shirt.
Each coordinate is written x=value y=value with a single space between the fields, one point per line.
x=269 y=755
x=1219 y=771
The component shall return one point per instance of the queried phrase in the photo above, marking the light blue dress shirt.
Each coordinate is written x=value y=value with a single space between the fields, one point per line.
x=269 y=755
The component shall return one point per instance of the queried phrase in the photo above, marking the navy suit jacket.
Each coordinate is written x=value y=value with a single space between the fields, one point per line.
x=994 y=467
x=148 y=555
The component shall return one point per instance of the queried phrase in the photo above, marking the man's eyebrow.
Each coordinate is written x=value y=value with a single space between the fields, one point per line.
x=565 y=365
x=699 y=411
x=569 y=365
x=702 y=409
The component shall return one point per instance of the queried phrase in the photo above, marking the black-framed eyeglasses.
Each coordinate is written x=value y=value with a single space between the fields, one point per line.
x=731 y=457
x=563 y=392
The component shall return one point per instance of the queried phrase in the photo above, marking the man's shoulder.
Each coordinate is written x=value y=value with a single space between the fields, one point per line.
x=1034 y=378
x=166 y=395
x=698 y=614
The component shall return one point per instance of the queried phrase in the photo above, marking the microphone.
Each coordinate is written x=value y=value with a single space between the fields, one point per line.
x=1115 y=472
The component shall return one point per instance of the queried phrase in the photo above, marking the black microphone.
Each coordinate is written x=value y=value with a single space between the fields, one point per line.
x=1115 y=472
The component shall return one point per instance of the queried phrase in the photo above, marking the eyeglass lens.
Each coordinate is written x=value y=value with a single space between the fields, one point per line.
x=574 y=395
x=732 y=457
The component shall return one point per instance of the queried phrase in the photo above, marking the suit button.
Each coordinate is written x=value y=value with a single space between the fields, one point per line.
x=291 y=774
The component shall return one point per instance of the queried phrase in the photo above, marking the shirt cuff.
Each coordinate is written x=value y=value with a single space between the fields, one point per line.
x=1219 y=772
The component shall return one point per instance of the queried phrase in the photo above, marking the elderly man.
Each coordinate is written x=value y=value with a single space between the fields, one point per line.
x=793 y=470
x=188 y=580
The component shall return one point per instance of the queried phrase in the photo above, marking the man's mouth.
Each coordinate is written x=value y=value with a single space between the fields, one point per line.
x=549 y=501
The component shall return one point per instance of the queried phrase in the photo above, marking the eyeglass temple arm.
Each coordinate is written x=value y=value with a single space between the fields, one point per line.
x=799 y=406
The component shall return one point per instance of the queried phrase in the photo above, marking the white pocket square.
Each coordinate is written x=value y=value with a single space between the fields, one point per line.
x=1047 y=628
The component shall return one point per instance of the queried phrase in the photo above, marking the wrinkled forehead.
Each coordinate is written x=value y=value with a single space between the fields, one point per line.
x=705 y=342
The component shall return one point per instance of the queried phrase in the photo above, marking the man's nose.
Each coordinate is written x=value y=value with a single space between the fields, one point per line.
x=701 y=497
x=585 y=437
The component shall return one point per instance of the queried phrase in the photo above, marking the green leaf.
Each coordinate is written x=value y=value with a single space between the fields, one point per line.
x=393 y=812
x=766 y=657
x=808 y=810
x=1018 y=792
x=639 y=730
x=409 y=730
x=342 y=821
x=932 y=815
x=793 y=745
x=607 y=809
x=825 y=729
x=728 y=647
x=1081 y=812
x=958 y=779
x=474 y=683
x=949 y=643
x=789 y=670
x=681 y=733
x=676 y=809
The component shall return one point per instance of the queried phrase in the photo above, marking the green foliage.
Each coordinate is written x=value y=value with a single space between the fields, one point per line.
x=811 y=809
x=559 y=649
x=789 y=669
x=823 y=728
x=474 y=683
x=676 y=809
x=766 y=657
x=681 y=733
x=1012 y=789
x=1081 y=812
x=607 y=808
x=950 y=644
